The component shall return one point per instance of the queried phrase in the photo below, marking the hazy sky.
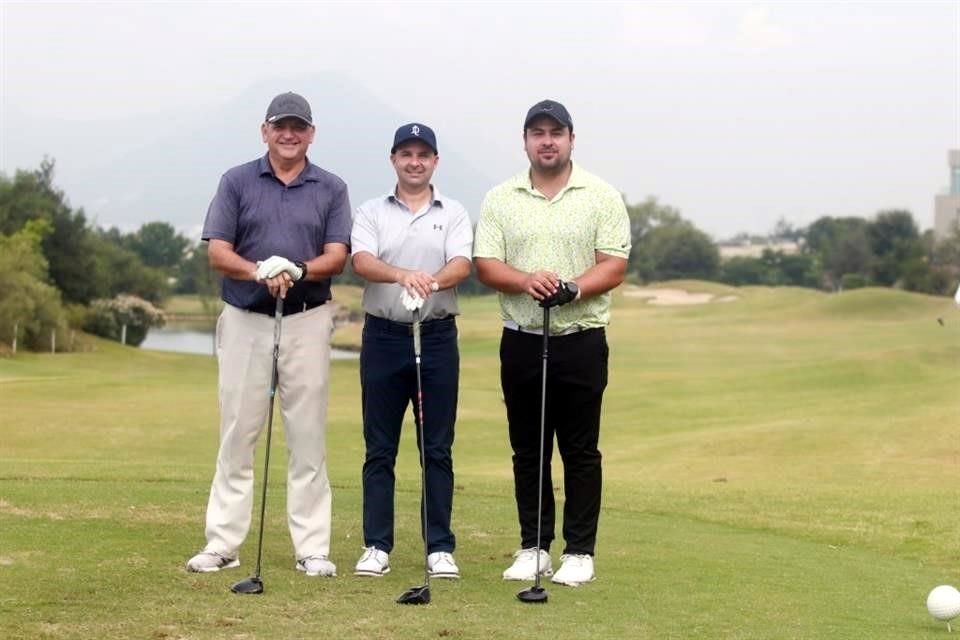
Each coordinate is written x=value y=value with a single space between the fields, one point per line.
x=737 y=114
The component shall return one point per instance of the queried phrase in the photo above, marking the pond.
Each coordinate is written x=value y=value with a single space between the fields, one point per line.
x=190 y=339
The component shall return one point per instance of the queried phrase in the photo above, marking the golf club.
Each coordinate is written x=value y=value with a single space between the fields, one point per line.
x=253 y=584
x=537 y=594
x=420 y=594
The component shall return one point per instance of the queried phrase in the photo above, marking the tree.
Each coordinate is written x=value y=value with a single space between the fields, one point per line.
x=120 y=271
x=667 y=246
x=196 y=275
x=28 y=196
x=840 y=246
x=159 y=245
x=27 y=303
x=71 y=250
x=742 y=270
x=896 y=247
x=677 y=250
x=643 y=218
x=772 y=268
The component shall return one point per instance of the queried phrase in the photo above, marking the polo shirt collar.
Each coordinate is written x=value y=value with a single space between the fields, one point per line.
x=577 y=180
x=310 y=173
x=437 y=201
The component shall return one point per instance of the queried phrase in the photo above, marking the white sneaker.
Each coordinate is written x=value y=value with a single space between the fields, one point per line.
x=576 y=568
x=210 y=561
x=524 y=565
x=373 y=562
x=440 y=564
x=317 y=566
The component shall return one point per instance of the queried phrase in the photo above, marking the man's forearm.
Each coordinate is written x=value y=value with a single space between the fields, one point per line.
x=327 y=264
x=225 y=260
x=453 y=273
x=499 y=275
x=608 y=273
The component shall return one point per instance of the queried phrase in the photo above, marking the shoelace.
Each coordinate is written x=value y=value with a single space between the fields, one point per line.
x=222 y=559
x=369 y=553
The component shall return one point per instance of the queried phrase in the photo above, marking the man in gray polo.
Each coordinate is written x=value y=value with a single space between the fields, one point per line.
x=277 y=226
x=413 y=247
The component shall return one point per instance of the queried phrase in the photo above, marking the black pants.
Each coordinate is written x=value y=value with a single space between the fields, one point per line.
x=388 y=386
x=576 y=378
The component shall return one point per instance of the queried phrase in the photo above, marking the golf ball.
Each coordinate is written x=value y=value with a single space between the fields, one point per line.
x=943 y=603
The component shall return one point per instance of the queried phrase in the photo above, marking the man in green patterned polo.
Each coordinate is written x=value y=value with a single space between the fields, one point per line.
x=554 y=235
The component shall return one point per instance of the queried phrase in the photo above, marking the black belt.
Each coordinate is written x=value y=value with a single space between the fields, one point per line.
x=406 y=328
x=270 y=308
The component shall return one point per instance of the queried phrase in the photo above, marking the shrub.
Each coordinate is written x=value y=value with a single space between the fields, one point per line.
x=106 y=318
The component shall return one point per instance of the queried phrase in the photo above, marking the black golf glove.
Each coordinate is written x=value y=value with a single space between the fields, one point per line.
x=566 y=292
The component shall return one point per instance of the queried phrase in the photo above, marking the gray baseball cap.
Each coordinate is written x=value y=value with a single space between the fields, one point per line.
x=289 y=105
x=550 y=108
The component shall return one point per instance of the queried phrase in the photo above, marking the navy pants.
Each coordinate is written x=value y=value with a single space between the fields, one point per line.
x=388 y=382
x=576 y=379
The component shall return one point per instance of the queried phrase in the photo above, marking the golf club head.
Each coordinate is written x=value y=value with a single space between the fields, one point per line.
x=415 y=595
x=252 y=585
x=534 y=595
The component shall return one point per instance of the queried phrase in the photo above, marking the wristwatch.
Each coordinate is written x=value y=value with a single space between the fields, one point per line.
x=303 y=269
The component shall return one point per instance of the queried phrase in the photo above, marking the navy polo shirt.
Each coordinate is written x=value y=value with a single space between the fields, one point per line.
x=261 y=217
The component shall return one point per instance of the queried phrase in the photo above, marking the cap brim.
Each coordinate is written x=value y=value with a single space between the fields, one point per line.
x=526 y=123
x=393 y=149
x=281 y=116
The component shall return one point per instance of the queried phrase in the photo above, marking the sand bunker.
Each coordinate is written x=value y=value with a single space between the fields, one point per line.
x=673 y=296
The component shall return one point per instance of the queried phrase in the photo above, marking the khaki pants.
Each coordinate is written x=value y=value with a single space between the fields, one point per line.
x=245 y=355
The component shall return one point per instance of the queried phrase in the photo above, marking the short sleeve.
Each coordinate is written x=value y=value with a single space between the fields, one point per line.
x=613 y=227
x=363 y=237
x=223 y=213
x=488 y=241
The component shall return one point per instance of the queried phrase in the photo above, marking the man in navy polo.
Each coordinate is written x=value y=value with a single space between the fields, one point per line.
x=277 y=226
x=413 y=247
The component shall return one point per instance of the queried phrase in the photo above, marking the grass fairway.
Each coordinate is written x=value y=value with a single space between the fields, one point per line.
x=783 y=465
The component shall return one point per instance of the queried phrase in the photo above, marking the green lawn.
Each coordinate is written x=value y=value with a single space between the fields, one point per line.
x=783 y=465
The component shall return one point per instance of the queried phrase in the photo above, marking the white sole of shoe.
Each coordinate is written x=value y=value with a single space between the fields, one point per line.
x=571 y=584
x=543 y=574
x=445 y=576
x=372 y=574
x=314 y=574
x=230 y=565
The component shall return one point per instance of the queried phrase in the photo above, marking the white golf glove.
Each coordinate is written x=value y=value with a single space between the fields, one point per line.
x=410 y=302
x=274 y=266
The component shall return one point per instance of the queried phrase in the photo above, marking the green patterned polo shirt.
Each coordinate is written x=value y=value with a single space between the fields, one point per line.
x=523 y=229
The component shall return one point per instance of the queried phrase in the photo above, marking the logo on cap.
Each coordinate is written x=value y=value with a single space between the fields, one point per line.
x=415 y=130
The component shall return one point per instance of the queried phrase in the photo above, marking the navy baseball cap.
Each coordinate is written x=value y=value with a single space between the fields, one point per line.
x=415 y=131
x=289 y=105
x=550 y=108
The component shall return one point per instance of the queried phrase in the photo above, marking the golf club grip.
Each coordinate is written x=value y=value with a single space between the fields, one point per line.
x=416 y=332
x=278 y=320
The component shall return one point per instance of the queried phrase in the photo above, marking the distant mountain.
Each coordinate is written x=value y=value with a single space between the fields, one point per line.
x=125 y=172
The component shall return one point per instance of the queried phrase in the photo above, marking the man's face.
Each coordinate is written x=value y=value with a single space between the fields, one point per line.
x=287 y=139
x=414 y=162
x=548 y=144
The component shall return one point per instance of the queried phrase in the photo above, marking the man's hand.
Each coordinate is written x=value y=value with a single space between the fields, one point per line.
x=410 y=302
x=274 y=266
x=566 y=292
